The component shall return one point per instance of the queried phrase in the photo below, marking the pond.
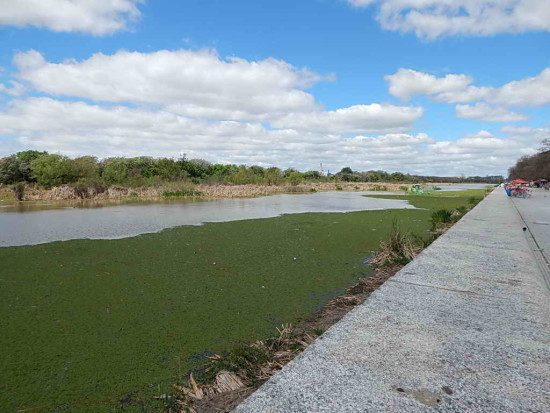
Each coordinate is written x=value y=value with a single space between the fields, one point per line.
x=61 y=221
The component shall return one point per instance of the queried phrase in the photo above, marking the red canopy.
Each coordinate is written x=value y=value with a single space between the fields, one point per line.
x=520 y=181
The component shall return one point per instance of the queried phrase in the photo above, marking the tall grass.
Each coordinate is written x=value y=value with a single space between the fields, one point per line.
x=397 y=249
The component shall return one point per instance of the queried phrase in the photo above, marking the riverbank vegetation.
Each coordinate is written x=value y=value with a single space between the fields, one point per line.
x=35 y=175
x=103 y=325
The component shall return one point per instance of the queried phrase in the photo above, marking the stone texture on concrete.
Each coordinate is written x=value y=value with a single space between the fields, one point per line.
x=464 y=327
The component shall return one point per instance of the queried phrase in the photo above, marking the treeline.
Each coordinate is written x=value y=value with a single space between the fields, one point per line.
x=348 y=175
x=532 y=168
x=49 y=170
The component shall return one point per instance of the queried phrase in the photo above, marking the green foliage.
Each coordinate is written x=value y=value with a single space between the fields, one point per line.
x=115 y=171
x=11 y=170
x=29 y=156
x=295 y=178
x=53 y=170
x=441 y=216
x=474 y=200
x=181 y=193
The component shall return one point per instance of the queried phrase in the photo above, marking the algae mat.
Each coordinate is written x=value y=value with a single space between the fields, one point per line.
x=104 y=325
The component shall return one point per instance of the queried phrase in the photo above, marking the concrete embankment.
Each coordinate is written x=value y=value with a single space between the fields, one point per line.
x=464 y=327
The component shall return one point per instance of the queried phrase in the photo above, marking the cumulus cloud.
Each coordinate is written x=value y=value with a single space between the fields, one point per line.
x=407 y=83
x=452 y=88
x=77 y=128
x=374 y=118
x=430 y=19
x=485 y=112
x=195 y=83
x=86 y=16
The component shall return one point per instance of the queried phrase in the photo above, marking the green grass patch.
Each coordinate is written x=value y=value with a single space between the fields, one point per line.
x=182 y=193
x=104 y=325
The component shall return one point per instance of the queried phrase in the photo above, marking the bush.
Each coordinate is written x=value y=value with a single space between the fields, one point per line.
x=19 y=191
x=442 y=216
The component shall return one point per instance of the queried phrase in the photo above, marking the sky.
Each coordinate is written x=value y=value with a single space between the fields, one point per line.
x=432 y=87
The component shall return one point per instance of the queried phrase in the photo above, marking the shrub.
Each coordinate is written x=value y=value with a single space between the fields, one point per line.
x=441 y=216
x=19 y=191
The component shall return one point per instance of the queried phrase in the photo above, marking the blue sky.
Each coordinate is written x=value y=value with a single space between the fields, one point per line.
x=468 y=90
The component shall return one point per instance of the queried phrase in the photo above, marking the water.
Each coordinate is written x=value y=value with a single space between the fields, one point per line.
x=461 y=187
x=37 y=225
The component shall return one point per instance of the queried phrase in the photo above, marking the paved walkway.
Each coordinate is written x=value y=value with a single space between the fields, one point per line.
x=535 y=213
x=464 y=327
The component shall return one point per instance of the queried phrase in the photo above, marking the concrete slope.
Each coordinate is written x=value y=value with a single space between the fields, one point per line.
x=464 y=327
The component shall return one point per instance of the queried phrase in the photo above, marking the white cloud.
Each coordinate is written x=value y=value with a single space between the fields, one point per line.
x=485 y=112
x=78 y=128
x=96 y=17
x=16 y=88
x=531 y=91
x=195 y=83
x=430 y=19
x=407 y=83
x=374 y=118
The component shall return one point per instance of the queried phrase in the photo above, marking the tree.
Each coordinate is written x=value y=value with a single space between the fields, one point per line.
x=346 y=170
x=85 y=168
x=294 y=178
x=29 y=156
x=11 y=170
x=53 y=170
x=26 y=157
x=115 y=171
x=545 y=145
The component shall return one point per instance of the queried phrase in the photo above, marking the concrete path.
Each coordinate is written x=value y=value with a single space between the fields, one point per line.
x=465 y=327
x=535 y=212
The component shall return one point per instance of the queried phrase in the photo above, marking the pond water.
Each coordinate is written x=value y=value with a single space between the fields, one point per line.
x=77 y=221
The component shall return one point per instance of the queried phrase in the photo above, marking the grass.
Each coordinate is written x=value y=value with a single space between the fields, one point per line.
x=105 y=325
x=181 y=193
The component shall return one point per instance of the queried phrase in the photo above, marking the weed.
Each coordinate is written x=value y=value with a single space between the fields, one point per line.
x=398 y=248
x=442 y=216
x=474 y=200
x=173 y=194
x=318 y=331
x=338 y=187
